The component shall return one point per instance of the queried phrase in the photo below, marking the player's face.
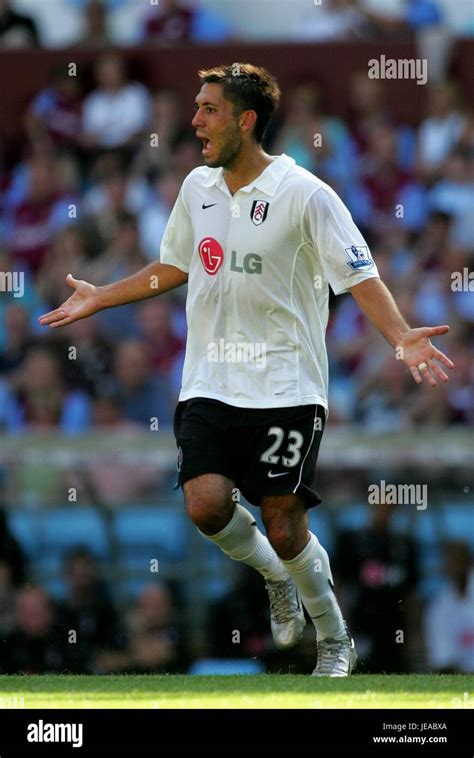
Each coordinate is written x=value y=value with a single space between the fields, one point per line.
x=217 y=126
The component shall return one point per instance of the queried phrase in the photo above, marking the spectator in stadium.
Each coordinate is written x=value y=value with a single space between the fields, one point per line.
x=117 y=112
x=174 y=22
x=107 y=412
x=154 y=217
x=122 y=254
x=460 y=396
x=386 y=195
x=467 y=136
x=165 y=128
x=7 y=600
x=333 y=20
x=398 y=17
x=453 y=193
x=317 y=141
x=17 y=338
x=186 y=156
x=155 y=325
x=432 y=244
x=155 y=642
x=143 y=396
x=12 y=575
x=23 y=290
x=113 y=193
x=55 y=115
x=88 y=611
x=244 y=609
x=377 y=574
x=16 y=30
x=28 y=228
x=95 y=31
x=35 y=645
x=66 y=253
x=440 y=130
x=462 y=300
x=39 y=398
x=393 y=404
x=449 y=619
x=369 y=110
x=92 y=370
x=11 y=553
x=168 y=24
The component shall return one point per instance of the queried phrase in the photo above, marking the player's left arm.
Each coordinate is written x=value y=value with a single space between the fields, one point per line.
x=413 y=346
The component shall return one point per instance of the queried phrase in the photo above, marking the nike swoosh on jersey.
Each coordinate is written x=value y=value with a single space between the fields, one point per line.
x=204 y=206
x=272 y=475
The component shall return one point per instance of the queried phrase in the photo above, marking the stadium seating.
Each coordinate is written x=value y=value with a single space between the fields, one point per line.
x=69 y=526
x=146 y=533
x=320 y=525
x=353 y=516
x=25 y=527
x=457 y=522
x=163 y=530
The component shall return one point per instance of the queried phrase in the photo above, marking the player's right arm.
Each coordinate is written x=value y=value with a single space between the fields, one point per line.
x=87 y=299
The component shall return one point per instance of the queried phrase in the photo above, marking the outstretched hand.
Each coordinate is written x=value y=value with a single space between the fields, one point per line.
x=82 y=303
x=417 y=352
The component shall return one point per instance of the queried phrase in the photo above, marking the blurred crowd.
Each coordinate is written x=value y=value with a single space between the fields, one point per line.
x=91 y=192
x=377 y=580
x=84 y=632
x=94 y=23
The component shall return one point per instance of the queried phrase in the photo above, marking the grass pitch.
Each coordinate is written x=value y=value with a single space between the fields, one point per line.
x=259 y=691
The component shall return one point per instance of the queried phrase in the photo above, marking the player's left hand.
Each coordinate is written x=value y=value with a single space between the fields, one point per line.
x=420 y=355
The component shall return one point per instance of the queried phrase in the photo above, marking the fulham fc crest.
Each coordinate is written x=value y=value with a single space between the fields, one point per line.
x=259 y=211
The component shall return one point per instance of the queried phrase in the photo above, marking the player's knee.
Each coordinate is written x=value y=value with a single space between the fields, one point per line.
x=283 y=537
x=206 y=513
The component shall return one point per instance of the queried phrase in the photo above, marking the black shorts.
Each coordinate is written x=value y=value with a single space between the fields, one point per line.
x=269 y=451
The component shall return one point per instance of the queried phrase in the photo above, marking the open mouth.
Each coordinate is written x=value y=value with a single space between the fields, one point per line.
x=206 y=145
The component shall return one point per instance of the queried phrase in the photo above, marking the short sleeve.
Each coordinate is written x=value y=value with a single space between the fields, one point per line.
x=343 y=251
x=177 y=244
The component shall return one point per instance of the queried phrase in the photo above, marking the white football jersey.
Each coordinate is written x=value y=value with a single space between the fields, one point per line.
x=259 y=263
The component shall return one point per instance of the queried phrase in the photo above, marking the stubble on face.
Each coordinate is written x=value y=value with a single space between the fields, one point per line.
x=231 y=141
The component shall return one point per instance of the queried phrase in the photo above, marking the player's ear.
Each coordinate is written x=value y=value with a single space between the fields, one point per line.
x=247 y=120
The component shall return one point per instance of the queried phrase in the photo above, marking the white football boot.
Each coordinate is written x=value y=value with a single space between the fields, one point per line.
x=287 y=614
x=336 y=657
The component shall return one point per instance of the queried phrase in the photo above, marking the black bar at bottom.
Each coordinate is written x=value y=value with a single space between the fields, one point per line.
x=167 y=732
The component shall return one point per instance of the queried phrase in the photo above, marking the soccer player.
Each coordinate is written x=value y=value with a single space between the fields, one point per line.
x=259 y=239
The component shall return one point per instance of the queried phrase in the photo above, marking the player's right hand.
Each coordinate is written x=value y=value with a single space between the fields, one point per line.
x=82 y=303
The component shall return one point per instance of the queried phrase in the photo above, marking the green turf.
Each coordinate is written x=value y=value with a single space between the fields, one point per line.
x=261 y=691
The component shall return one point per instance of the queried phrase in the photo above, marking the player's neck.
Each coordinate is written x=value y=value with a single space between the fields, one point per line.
x=251 y=162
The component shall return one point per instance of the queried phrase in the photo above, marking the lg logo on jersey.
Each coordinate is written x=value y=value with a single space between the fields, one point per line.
x=251 y=263
x=212 y=256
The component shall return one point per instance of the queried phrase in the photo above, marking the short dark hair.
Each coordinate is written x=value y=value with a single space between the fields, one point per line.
x=247 y=87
